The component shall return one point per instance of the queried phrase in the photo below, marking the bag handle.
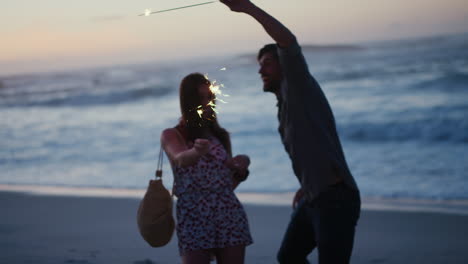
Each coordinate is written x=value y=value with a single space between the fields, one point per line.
x=159 y=171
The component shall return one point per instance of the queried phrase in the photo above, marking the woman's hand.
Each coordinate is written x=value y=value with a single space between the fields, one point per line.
x=201 y=146
x=179 y=152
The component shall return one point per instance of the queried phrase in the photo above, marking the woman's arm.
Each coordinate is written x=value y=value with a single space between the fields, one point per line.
x=178 y=152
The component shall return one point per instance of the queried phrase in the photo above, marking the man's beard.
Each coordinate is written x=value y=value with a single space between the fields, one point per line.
x=272 y=87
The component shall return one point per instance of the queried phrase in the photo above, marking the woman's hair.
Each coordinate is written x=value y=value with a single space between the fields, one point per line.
x=191 y=121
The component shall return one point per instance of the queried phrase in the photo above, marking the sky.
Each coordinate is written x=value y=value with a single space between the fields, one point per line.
x=51 y=35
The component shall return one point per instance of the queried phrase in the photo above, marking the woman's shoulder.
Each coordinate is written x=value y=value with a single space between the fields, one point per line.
x=169 y=133
x=172 y=134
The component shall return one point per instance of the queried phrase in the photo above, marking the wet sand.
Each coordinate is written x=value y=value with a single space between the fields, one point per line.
x=71 y=229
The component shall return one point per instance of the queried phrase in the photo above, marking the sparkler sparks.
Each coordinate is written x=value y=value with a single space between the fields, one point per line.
x=215 y=88
x=213 y=106
x=200 y=111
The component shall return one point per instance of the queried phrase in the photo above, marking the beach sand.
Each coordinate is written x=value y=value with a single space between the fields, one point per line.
x=69 y=229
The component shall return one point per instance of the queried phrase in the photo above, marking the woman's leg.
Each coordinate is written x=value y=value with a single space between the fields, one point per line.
x=197 y=257
x=230 y=255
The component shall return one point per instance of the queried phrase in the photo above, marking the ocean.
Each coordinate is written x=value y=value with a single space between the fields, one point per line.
x=401 y=109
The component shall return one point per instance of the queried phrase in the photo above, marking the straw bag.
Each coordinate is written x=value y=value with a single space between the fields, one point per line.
x=154 y=217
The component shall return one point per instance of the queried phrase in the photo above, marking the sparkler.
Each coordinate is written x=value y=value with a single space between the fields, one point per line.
x=148 y=12
x=215 y=88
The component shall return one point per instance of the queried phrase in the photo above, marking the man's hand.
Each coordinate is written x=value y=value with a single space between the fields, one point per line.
x=297 y=197
x=201 y=146
x=277 y=31
x=238 y=5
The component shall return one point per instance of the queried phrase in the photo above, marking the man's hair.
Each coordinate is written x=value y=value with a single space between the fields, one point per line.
x=268 y=48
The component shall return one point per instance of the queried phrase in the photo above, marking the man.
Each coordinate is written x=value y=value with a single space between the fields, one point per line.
x=327 y=206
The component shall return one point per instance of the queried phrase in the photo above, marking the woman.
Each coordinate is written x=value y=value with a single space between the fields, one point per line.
x=210 y=219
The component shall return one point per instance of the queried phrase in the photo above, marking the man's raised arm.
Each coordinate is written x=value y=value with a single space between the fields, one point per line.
x=280 y=34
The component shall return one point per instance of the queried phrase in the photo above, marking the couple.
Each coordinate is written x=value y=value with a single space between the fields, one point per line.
x=211 y=220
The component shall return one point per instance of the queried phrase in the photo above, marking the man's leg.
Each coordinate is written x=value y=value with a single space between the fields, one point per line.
x=299 y=239
x=335 y=218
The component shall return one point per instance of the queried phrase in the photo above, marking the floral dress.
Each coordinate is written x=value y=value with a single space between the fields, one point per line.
x=209 y=215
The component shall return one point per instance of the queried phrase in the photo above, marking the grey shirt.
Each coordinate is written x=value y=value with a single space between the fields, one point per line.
x=307 y=127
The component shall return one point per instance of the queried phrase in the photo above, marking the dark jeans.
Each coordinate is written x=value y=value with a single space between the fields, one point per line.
x=327 y=223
